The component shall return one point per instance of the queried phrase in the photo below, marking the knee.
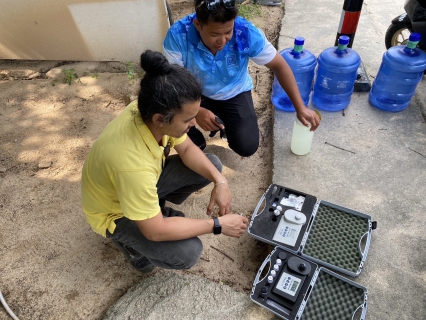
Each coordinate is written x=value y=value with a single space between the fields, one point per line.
x=182 y=254
x=215 y=161
x=192 y=253
x=246 y=150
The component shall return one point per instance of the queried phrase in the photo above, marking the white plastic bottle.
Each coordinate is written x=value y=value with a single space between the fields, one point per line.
x=301 y=140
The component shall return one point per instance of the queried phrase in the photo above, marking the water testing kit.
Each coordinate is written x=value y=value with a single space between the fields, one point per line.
x=313 y=240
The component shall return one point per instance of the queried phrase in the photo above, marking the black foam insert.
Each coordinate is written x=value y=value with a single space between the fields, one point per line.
x=265 y=223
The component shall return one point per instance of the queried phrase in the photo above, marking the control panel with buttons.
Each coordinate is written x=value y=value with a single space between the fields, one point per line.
x=285 y=284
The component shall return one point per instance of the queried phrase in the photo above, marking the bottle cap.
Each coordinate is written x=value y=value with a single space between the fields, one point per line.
x=344 y=40
x=415 y=37
x=300 y=41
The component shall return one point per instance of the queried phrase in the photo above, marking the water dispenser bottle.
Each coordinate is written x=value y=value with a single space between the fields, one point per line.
x=336 y=75
x=302 y=62
x=400 y=72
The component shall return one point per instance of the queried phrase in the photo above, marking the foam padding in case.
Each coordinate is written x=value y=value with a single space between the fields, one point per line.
x=332 y=298
x=335 y=236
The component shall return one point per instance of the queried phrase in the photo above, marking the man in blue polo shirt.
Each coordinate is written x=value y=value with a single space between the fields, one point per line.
x=215 y=44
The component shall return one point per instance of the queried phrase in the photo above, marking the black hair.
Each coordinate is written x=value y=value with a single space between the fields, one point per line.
x=221 y=15
x=165 y=87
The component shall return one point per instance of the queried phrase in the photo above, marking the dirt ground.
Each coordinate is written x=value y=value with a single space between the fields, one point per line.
x=52 y=265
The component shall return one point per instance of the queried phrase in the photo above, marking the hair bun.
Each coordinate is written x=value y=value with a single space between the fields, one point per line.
x=155 y=63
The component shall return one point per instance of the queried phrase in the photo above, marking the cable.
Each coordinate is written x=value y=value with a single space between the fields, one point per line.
x=10 y=312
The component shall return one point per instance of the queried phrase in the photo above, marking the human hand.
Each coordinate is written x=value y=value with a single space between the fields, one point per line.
x=233 y=225
x=220 y=195
x=207 y=120
x=308 y=116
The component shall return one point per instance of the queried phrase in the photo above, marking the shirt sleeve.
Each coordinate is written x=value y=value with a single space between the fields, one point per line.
x=172 y=49
x=263 y=51
x=137 y=194
x=180 y=140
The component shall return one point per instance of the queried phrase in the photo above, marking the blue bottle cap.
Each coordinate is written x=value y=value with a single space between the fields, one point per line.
x=415 y=37
x=344 y=40
x=300 y=41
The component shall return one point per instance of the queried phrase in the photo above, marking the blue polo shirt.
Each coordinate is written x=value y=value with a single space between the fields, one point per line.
x=224 y=75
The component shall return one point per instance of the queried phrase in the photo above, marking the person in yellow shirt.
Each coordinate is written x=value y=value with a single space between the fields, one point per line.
x=128 y=174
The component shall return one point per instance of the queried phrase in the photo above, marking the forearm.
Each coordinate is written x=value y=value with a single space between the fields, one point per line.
x=197 y=161
x=177 y=228
x=286 y=79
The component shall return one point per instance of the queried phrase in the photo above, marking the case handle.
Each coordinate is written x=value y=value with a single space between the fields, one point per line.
x=363 y=254
x=362 y=317
x=267 y=260
x=258 y=206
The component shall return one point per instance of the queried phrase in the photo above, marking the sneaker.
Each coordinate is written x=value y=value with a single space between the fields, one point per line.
x=136 y=259
x=142 y=265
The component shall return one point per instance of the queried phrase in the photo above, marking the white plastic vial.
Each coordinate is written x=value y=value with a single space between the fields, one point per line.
x=301 y=140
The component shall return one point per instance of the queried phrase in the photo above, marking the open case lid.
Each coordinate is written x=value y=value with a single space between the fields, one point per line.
x=310 y=292
x=332 y=296
x=329 y=234
x=339 y=238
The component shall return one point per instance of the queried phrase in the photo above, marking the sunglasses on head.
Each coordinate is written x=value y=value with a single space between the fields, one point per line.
x=215 y=4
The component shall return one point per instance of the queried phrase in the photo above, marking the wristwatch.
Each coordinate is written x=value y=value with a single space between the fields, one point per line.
x=217 y=229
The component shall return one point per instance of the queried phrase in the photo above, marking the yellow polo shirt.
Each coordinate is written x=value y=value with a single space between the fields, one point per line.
x=121 y=172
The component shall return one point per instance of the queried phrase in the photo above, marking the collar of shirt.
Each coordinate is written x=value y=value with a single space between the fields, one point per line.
x=146 y=135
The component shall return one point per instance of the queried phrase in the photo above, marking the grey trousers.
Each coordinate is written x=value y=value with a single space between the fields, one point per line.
x=177 y=182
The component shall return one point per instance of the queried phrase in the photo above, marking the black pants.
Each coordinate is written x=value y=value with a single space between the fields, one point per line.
x=241 y=127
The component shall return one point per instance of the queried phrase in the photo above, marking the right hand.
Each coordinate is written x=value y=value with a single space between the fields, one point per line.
x=233 y=225
x=207 y=120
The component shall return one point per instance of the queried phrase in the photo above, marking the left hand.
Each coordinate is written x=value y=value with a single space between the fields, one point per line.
x=308 y=116
x=221 y=195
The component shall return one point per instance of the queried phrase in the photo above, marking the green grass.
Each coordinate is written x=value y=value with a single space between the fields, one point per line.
x=249 y=11
x=130 y=70
x=70 y=75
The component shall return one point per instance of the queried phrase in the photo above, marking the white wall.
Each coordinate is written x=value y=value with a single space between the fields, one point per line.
x=81 y=30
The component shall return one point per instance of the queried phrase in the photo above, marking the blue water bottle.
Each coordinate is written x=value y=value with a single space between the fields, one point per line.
x=302 y=63
x=399 y=74
x=336 y=75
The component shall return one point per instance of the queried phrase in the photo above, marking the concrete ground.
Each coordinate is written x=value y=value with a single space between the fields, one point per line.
x=363 y=158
